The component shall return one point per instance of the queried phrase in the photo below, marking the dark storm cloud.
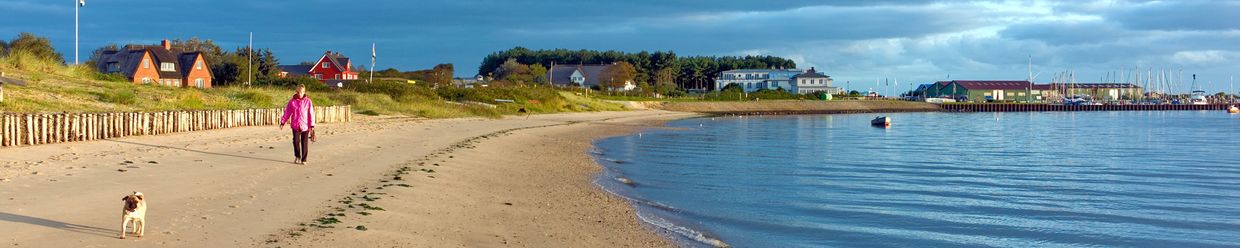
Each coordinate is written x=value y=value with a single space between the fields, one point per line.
x=1179 y=15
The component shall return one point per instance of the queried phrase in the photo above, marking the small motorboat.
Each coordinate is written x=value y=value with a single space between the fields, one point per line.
x=1233 y=109
x=881 y=121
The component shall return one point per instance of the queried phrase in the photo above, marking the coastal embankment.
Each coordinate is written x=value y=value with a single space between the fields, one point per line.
x=777 y=107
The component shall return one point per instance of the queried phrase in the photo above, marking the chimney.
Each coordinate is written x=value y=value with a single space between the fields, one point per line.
x=166 y=45
x=328 y=52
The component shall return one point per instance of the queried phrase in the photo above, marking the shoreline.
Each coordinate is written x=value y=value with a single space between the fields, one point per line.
x=794 y=107
x=530 y=211
x=494 y=186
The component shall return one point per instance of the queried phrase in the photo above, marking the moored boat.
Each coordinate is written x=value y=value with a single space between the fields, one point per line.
x=1198 y=97
x=1233 y=109
x=881 y=121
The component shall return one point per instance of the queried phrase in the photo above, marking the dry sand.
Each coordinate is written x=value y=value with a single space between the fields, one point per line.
x=515 y=182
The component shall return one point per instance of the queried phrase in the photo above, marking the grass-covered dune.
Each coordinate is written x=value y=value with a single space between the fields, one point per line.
x=53 y=87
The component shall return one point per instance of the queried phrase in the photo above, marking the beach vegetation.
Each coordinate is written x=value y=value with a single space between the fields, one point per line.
x=53 y=86
x=327 y=220
x=369 y=207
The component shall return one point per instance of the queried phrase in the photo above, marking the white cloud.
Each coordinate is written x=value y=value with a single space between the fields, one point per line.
x=1206 y=57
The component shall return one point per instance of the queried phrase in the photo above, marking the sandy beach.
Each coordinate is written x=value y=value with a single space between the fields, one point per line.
x=375 y=182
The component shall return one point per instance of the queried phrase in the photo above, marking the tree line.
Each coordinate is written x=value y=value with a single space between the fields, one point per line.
x=661 y=69
x=438 y=76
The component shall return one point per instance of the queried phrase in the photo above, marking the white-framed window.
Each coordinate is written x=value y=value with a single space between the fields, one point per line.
x=198 y=65
x=167 y=66
x=337 y=76
x=318 y=76
x=325 y=66
x=200 y=83
x=146 y=80
x=146 y=63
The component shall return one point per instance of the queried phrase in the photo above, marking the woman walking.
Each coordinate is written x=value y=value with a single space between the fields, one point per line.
x=299 y=114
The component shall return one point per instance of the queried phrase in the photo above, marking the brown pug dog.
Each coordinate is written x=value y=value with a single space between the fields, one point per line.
x=134 y=211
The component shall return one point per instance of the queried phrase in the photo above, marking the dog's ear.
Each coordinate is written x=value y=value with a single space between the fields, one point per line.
x=139 y=197
x=124 y=198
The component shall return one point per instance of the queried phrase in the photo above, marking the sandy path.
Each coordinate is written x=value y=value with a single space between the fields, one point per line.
x=235 y=187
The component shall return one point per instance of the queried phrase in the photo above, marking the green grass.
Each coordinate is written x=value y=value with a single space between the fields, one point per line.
x=55 y=88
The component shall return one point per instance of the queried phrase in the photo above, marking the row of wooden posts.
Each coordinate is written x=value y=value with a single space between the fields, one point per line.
x=36 y=129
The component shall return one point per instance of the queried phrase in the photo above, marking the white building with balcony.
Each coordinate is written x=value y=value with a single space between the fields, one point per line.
x=757 y=79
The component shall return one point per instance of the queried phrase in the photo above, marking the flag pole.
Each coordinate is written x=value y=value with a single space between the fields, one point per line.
x=249 y=61
x=372 y=63
x=76 y=4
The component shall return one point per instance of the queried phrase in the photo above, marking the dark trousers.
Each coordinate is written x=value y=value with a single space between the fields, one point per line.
x=301 y=144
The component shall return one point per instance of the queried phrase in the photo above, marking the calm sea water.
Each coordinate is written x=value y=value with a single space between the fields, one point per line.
x=1052 y=179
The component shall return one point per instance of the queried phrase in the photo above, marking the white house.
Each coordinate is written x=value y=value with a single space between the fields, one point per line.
x=757 y=79
x=583 y=76
x=811 y=81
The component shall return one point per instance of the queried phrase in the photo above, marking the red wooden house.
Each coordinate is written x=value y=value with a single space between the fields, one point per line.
x=331 y=67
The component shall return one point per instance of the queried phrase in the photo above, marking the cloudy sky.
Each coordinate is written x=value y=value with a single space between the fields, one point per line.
x=853 y=41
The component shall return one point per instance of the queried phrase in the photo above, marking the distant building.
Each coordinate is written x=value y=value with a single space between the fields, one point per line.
x=757 y=79
x=287 y=71
x=934 y=90
x=468 y=82
x=1022 y=91
x=812 y=82
x=990 y=90
x=157 y=65
x=589 y=76
x=331 y=68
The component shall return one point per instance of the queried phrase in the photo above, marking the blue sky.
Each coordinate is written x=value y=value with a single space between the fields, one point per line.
x=858 y=41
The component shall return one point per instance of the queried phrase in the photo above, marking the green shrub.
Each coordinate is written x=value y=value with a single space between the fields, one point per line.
x=397 y=90
x=311 y=83
x=111 y=77
x=118 y=96
x=258 y=98
x=190 y=100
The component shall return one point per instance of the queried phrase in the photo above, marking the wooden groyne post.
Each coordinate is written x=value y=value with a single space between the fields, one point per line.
x=24 y=129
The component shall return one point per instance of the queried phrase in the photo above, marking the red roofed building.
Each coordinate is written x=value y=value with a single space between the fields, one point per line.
x=162 y=65
x=331 y=67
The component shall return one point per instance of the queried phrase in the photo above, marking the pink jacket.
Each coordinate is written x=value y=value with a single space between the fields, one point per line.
x=299 y=113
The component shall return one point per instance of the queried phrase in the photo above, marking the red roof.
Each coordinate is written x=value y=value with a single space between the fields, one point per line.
x=992 y=85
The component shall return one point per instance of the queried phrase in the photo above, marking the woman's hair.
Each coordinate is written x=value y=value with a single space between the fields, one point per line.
x=301 y=87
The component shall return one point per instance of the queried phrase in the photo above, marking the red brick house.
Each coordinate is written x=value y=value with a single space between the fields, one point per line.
x=157 y=65
x=331 y=67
